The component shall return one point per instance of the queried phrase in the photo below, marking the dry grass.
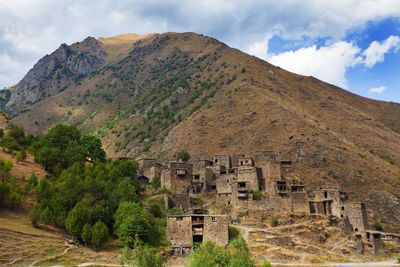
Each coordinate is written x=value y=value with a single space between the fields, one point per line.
x=22 y=244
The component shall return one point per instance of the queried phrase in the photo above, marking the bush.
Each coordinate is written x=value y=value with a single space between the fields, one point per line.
x=209 y=254
x=377 y=226
x=273 y=221
x=233 y=232
x=266 y=263
x=155 y=183
x=32 y=183
x=257 y=195
x=147 y=257
x=99 y=234
x=182 y=156
x=86 y=234
x=21 y=156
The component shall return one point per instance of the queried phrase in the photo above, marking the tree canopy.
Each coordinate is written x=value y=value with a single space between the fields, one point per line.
x=63 y=146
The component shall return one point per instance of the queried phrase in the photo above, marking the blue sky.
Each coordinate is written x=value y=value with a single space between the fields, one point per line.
x=354 y=44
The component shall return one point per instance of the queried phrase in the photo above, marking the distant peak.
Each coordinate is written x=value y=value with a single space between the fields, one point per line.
x=123 y=38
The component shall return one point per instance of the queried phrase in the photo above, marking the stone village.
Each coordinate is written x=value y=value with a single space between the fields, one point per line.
x=233 y=181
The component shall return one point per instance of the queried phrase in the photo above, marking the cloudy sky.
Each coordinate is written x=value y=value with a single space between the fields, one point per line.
x=354 y=44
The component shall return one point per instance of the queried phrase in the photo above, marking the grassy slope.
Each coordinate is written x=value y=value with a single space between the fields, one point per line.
x=185 y=91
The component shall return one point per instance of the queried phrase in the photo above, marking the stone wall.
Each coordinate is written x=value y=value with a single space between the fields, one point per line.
x=216 y=229
x=179 y=230
x=177 y=178
x=300 y=202
x=357 y=214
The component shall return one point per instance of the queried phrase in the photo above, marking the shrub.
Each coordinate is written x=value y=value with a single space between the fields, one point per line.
x=147 y=257
x=21 y=156
x=209 y=254
x=377 y=226
x=266 y=263
x=233 y=232
x=99 y=234
x=155 y=183
x=273 y=221
x=182 y=156
x=86 y=234
x=257 y=195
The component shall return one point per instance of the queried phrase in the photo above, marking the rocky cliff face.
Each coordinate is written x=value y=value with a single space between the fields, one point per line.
x=55 y=72
x=164 y=93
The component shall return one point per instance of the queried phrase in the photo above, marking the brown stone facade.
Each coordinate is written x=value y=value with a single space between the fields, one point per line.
x=183 y=231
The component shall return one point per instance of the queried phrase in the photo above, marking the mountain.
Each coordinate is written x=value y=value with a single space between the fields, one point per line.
x=160 y=93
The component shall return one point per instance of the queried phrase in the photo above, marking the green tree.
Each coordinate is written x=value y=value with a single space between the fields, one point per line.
x=182 y=156
x=32 y=183
x=99 y=234
x=64 y=146
x=131 y=221
x=1 y=132
x=86 y=234
x=76 y=220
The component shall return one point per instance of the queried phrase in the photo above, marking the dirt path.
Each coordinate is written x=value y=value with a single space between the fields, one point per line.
x=69 y=246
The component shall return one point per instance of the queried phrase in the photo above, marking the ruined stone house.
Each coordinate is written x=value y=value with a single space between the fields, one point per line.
x=184 y=231
x=177 y=177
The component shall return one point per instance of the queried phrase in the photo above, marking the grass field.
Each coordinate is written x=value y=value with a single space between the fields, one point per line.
x=23 y=245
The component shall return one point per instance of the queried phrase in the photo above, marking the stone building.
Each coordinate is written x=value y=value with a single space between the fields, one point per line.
x=329 y=200
x=203 y=176
x=177 y=177
x=184 y=231
x=150 y=168
x=284 y=187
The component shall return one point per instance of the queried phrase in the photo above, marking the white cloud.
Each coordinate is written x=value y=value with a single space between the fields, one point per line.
x=29 y=29
x=377 y=90
x=328 y=63
x=376 y=51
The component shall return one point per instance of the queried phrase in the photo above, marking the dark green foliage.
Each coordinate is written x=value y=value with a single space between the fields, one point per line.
x=1 y=132
x=257 y=195
x=86 y=194
x=182 y=155
x=155 y=183
x=15 y=139
x=99 y=234
x=377 y=226
x=86 y=234
x=233 y=232
x=130 y=221
x=63 y=146
x=32 y=183
x=21 y=155
x=10 y=192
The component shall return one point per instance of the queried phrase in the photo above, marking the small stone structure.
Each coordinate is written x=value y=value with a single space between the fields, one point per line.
x=184 y=231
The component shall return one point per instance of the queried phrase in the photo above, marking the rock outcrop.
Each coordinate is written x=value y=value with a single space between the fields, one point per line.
x=55 y=72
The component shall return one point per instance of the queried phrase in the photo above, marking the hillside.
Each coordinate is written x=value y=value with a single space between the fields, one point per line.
x=157 y=94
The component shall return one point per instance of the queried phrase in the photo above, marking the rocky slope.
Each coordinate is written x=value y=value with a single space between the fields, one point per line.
x=158 y=94
x=55 y=72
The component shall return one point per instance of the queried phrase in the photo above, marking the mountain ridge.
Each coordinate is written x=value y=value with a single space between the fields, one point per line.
x=161 y=93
